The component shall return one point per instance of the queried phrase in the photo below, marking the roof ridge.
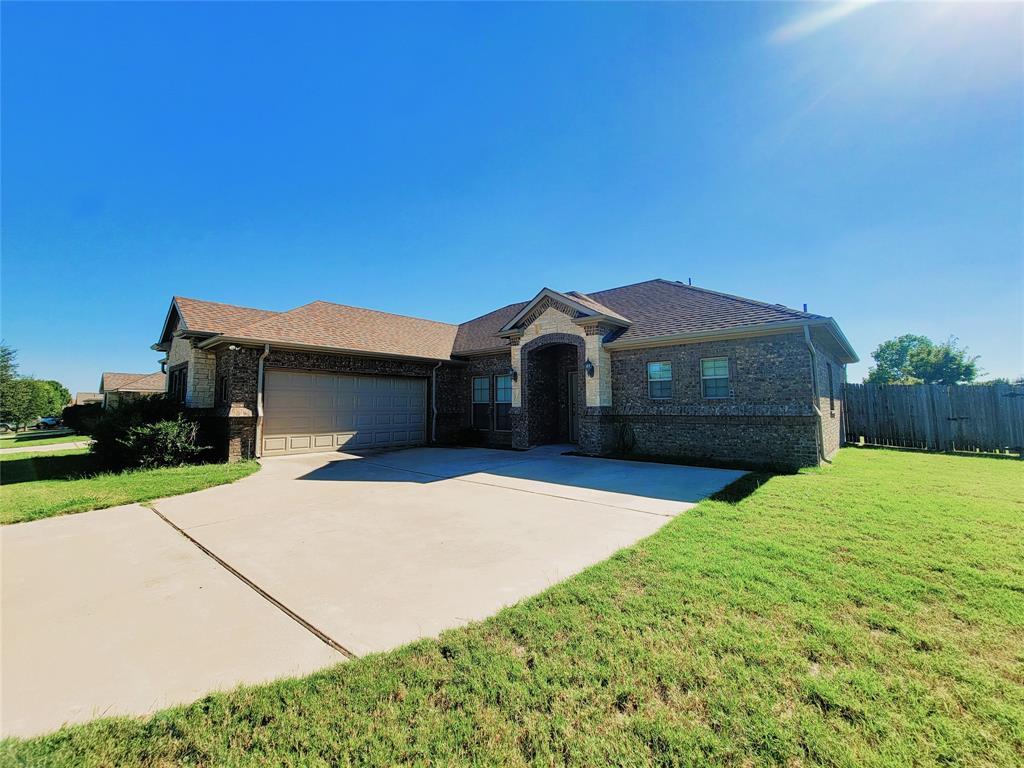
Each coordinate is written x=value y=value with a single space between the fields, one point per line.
x=226 y=304
x=377 y=311
x=755 y=302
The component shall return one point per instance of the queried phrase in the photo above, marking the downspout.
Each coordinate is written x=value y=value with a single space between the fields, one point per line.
x=433 y=403
x=259 y=403
x=819 y=444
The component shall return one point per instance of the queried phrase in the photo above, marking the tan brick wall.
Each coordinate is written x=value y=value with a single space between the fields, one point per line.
x=202 y=372
x=598 y=386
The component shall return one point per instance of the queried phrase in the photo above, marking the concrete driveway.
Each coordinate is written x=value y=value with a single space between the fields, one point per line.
x=315 y=559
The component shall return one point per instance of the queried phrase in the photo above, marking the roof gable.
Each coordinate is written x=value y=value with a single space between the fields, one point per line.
x=208 y=317
x=574 y=304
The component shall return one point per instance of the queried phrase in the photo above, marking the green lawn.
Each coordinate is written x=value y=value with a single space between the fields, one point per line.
x=867 y=614
x=37 y=485
x=25 y=439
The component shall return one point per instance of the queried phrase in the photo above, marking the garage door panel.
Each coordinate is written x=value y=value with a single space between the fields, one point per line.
x=318 y=412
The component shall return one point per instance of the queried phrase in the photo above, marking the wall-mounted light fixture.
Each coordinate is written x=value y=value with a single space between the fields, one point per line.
x=513 y=373
x=589 y=368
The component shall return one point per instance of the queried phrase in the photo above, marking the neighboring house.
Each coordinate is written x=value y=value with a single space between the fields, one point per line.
x=116 y=388
x=87 y=398
x=657 y=368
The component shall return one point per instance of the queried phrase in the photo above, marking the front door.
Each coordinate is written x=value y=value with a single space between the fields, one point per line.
x=574 y=398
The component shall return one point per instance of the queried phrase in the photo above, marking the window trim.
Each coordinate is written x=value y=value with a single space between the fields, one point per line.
x=703 y=379
x=650 y=380
x=474 y=403
x=173 y=374
x=494 y=410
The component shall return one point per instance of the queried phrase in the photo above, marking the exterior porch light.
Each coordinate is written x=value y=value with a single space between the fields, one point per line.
x=589 y=368
x=513 y=373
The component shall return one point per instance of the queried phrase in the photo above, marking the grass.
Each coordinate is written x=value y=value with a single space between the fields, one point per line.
x=867 y=614
x=38 y=485
x=25 y=439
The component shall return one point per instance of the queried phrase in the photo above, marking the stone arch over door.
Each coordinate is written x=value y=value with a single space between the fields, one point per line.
x=524 y=427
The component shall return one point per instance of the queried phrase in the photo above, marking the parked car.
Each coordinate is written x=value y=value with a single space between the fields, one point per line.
x=48 y=422
x=5 y=427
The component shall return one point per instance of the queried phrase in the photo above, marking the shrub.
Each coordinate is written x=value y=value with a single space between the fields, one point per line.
x=167 y=443
x=136 y=434
x=82 y=418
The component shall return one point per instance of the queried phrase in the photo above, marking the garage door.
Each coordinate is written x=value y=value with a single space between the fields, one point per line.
x=304 y=412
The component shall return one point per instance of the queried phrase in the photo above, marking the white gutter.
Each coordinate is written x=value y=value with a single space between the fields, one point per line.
x=819 y=443
x=258 y=452
x=433 y=403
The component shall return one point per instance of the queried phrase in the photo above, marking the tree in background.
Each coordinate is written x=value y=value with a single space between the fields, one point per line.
x=24 y=399
x=8 y=363
x=912 y=359
x=59 y=397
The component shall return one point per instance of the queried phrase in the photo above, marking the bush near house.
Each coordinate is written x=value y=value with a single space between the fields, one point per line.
x=82 y=418
x=147 y=432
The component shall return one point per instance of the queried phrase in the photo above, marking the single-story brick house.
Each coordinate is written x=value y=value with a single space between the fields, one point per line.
x=656 y=368
x=116 y=388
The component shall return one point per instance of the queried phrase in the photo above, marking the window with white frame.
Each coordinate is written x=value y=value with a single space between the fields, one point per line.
x=659 y=380
x=482 y=402
x=503 y=403
x=714 y=377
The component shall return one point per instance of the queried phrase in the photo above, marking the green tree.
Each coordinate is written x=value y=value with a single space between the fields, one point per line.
x=58 y=398
x=8 y=363
x=24 y=401
x=913 y=359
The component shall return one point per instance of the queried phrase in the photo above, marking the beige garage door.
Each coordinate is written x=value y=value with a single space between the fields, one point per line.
x=306 y=412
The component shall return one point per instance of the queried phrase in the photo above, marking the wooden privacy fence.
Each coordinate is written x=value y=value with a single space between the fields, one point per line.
x=965 y=417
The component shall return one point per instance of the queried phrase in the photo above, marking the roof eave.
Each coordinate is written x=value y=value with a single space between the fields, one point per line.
x=737 y=332
x=251 y=342
x=599 y=317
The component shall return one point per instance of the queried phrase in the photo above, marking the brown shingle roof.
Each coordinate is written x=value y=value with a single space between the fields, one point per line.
x=653 y=309
x=338 y=326
x=83 y=398
x=214 y=317
x=133 y=382
x=590 y=303
x=664 y=308
x=479 y=334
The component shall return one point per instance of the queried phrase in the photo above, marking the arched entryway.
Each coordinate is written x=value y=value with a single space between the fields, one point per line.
x=553 y=389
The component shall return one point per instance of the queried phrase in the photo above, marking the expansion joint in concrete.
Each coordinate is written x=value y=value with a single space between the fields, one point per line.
x=313 y=629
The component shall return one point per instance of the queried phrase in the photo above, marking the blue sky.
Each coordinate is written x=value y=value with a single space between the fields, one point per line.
x=444 y=160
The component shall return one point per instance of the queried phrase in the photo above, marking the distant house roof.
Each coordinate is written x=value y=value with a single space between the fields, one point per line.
x=644 y=312
x=84 y=398
x=133 y=382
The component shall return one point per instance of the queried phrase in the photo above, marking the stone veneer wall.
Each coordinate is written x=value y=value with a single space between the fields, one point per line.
x=767 y=420
x=202 y=372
